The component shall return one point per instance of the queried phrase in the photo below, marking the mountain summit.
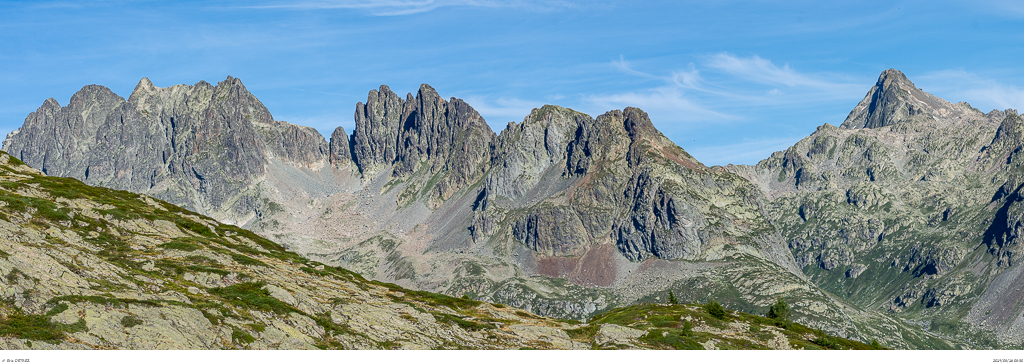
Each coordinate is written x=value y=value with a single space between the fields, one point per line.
x=894 y=99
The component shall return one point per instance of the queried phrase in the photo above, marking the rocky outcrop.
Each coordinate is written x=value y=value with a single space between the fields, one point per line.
x=340 y=152
x=524 y=151
x=555 y=231
x=444 y=138
x=1007 y=229
x=296 y=144
x=378 y=124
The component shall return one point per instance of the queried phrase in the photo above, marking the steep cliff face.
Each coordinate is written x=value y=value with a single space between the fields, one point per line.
x=445 y=139
x=909 y=206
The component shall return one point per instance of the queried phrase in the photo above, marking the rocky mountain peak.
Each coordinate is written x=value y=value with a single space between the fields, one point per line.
x=892 y=75
x=638 y=124
x=90 y=93
x=375 y=137
x=447 y=137
x=894 y=99
x=144 y=85
x=426 y=91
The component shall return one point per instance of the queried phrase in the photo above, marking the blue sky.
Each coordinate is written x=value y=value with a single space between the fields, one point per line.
x=729 y=81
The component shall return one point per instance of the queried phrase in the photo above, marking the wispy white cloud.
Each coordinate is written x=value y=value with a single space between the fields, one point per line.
x=762 y=71
x=623 y=65
x=663 y=103
x=669 y=101
x=689 y=78
x=407 y=7
x=959 y=85
x=687 y=95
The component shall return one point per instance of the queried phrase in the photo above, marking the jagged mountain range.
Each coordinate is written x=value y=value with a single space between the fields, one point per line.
x=897 y=225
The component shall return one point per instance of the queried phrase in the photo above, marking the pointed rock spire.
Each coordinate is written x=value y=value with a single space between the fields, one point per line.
x=893 y=99
x=340 y=153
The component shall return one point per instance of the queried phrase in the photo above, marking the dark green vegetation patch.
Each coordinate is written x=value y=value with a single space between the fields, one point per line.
x=673 y=327
x=252 y=295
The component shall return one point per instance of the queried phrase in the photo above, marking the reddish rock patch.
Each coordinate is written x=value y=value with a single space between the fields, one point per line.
x=597 y=267
x=683 y=162
x=556 y=267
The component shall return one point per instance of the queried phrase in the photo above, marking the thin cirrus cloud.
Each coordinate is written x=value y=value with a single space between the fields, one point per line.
x=663 y=103
x=669 y=101
x=959 y=85
x=762 y=71
x=721 y=81
x=408 y=7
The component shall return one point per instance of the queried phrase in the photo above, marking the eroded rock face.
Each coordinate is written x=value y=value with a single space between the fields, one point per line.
x=378 y=124
x=555 y=231
x=341 y=153
x=448 y=136
x=1007 y=229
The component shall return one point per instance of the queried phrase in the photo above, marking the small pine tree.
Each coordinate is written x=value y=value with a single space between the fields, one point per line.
x=779 y=311
x=715 y=309
x=875 y=345
x=672 y=298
